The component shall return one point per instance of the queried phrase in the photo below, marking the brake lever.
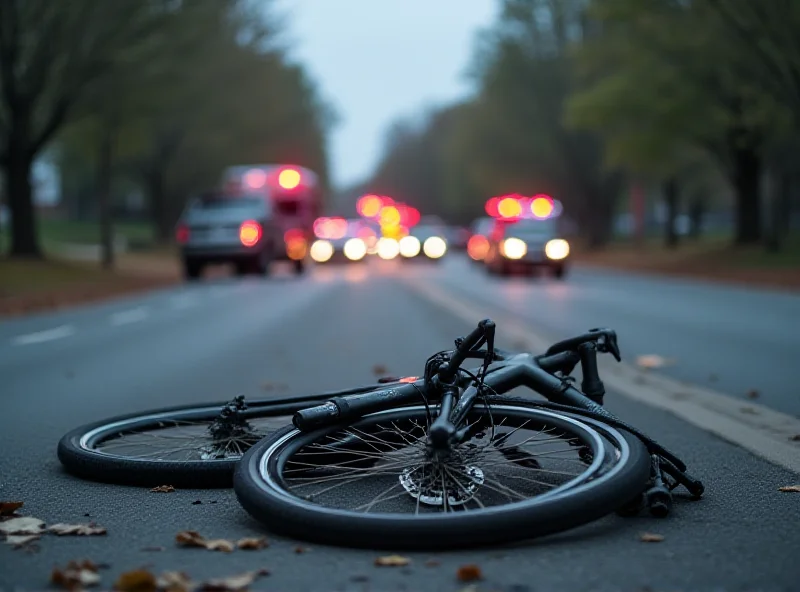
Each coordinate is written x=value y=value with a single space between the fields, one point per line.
x=607 y=342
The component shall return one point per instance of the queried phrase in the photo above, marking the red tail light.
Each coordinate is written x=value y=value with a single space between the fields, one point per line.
x=182 y=234
x=293 y=234
x=477 y=247
x=250 y=233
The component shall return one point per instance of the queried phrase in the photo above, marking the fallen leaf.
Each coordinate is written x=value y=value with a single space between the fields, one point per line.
x=8 y=508
x=649 y=537
x=300 y=550
x=137 y=580
x=790 y=489
x=392 y=561
x=77 y=529
x=163 y=489
x=469 y=573
x=233 y=583
x=753 y=394
x=196 y=502
x=22 y=525
x=252 y=543
x=75 y=575
x=191 y=538
x=380 y=370
x=175 y=581
x=795 y=438
x=652 y=361
x=432 y=563
x=18 y=541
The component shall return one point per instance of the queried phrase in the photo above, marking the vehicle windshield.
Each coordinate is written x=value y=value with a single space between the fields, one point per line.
x=532 y=229
x=246 y=204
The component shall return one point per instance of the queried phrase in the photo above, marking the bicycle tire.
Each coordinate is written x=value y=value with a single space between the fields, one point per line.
x=255 y=487
x=82 y=460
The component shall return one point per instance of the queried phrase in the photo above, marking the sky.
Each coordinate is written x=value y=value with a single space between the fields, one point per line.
x=377 y=60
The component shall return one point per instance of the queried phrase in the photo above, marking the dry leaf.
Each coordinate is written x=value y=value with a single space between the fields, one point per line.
x=300 y=550
x=753 y=394
x=469 y=573
x=380 y=370
x=191 y=538
x=392 y=561
x=163 y=489
x=175 y=581
x=432 y=563
x=652 y=361
x=77 y=529
x=22 y=525
x=649 y=537
x=75 y=576
x=18 y=541
x=790 y=489
x=138 y=580
x=252 y=543
x=233 y=583
x=795 y=438
x=8 y=508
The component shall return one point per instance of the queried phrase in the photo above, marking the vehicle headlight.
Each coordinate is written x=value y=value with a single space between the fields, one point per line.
x=388 y=248
x=434 y=247
x=556 y=249
x=321 y=251
x=355 y=249
x=514 y=248
x=409 y=246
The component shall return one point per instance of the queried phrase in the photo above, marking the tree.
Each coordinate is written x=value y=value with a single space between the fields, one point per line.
x=51 y=55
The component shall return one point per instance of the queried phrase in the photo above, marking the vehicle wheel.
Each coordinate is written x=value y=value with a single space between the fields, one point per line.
x=299 y=267
x=275 y=481
x=188 y=446
x=241 y=268
x=192 y=269
x=559 y=272
x=261 y=263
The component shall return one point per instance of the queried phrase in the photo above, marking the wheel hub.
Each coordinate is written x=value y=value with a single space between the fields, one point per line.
x=429 y=483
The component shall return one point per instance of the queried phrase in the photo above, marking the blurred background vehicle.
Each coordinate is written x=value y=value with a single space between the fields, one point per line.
x=340 y=240
x=527 y=246
x=424 y=242
x=295 y=196
x=219 y=227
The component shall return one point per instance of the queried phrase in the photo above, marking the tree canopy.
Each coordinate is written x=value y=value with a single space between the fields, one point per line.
x=157 y=96
x=586 y=99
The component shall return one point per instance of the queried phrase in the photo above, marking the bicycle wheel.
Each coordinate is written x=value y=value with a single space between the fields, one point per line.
x=193 y=446
x=298 y=482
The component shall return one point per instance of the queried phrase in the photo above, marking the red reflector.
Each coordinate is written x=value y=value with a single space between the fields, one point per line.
x=250 y=233
x=182 y=234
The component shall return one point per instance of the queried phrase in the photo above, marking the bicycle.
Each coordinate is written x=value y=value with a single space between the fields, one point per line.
x=426 y=436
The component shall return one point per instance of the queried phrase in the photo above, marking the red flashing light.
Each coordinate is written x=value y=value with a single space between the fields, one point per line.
x=250 y=233
x=293 y=234
x=509 y=207
x=542 y=206
x=182 y=234
x=491 y=207
x=289 y=178
x=369 y=206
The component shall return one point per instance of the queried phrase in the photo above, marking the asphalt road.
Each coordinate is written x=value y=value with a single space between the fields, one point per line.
x=330 y=330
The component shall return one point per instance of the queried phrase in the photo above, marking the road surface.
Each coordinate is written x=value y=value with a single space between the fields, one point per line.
x=331 y=329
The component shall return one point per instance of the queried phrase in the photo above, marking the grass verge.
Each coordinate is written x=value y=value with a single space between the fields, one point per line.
x=711 y=259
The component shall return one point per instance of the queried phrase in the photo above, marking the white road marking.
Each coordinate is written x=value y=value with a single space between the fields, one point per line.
x=43 y=336
x=757 y=428
x=129 y=316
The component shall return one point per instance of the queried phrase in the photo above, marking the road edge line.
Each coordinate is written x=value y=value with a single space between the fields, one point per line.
x=756 y=428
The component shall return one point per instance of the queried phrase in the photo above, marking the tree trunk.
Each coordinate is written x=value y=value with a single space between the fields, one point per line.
x=19 y=192
x=104 y=174
x=159 y=212
x=747 y=187
x=671 y=198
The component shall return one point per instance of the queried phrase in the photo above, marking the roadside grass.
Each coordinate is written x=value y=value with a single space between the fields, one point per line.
x=712 y=258
x=53 y=232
